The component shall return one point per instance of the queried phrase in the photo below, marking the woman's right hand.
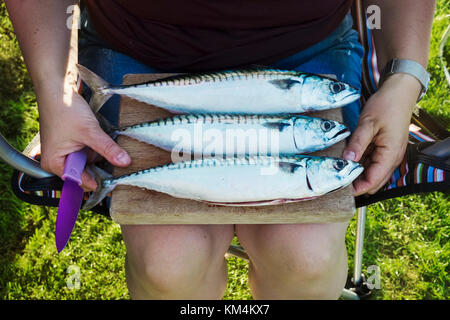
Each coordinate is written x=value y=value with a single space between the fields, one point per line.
x=67 y=124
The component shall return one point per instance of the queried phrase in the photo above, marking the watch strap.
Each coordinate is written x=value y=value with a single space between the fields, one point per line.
x=410 y=67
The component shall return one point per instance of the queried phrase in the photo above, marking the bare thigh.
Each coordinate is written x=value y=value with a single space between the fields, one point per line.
x=281 y=241
x=295 y=261
x=172 y=245
x=317 y=232
x=176 y=261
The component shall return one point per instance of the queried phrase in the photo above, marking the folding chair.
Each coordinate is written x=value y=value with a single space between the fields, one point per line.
x=425 y=168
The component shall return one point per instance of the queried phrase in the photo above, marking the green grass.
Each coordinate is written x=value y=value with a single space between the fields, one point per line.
x=407 y=238
x=437 y=100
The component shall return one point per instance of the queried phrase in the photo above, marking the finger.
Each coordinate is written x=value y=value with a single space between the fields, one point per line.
x=360 y=185
x=366 y=162
x=373 y=179
x=359 y=141
x=369 y=151
x=366 y=159
x=56 y=166
x=88 y=183
x=390 y=161
x=53 y=165
x=106 y=147
x=381 y=184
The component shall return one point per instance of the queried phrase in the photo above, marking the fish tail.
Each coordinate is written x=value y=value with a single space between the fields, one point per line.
x=97 y=85
x=107 y=126
x=102 y=188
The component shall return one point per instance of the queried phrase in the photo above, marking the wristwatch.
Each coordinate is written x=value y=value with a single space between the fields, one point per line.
x=407 y=66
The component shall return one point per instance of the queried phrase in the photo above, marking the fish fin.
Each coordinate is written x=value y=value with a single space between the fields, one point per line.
x=102 y=191
x=289 y=167
x=97 y=85
x=106 y=126
x=280 y=125
x=284 y=84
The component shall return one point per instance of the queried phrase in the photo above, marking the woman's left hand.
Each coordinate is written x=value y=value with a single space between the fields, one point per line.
x=380 y=139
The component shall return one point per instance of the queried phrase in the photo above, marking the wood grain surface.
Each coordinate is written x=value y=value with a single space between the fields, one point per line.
x=133 y=205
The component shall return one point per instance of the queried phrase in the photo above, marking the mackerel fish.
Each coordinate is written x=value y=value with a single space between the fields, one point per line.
x=226 y=134
x=250 y=91
x=238 y=181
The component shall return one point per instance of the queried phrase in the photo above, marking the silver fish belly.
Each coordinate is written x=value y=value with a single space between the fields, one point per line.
x=262 y=91
x=224 y=134
x=240 y=180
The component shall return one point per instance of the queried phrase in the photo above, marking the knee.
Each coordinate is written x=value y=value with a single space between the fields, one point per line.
x=299 y=253
x=304 y=262
x=166 y=276
x=296 y=261
x=306 y=271
x=178 y=269
x=171 y=266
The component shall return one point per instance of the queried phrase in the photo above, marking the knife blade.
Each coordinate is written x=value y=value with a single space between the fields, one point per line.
x=71 y=197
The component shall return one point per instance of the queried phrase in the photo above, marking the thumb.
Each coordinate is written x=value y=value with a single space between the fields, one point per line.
x=106 y=147
x=359 y=141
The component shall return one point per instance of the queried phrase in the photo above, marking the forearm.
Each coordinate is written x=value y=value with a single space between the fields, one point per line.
x=44 y=38
x=404 y=34
x=385 y=118
x=405 y=30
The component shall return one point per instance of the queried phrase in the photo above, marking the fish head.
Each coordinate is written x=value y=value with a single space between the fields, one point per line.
x=329 y=174
x=321 y=93
x=318 y=133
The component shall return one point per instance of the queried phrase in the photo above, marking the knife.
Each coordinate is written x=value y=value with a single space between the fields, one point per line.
x=71 y=197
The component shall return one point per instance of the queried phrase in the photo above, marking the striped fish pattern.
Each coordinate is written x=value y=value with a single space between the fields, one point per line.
x=227 y=134
x=244 y=181
x=249 y=91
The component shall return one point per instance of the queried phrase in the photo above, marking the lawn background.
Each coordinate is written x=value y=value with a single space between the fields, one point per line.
x=407 y=238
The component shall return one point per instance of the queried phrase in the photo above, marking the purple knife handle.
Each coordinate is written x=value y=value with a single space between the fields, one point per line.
x=74 y=166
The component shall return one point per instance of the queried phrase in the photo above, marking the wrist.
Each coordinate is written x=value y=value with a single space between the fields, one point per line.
x=409 y=67
x=55 y=84
x=55 y=91
x=404 y=84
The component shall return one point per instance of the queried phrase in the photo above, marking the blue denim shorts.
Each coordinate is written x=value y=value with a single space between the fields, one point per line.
x=339 y=54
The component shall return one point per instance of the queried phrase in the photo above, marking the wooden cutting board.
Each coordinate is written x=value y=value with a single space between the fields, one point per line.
x=133 y=205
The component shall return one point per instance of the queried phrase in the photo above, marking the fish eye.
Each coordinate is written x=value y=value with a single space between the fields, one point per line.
x=327 y=125
x=337 y=87
x=339 y=164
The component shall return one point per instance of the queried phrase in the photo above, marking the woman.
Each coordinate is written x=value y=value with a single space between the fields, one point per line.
x=118 y=37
